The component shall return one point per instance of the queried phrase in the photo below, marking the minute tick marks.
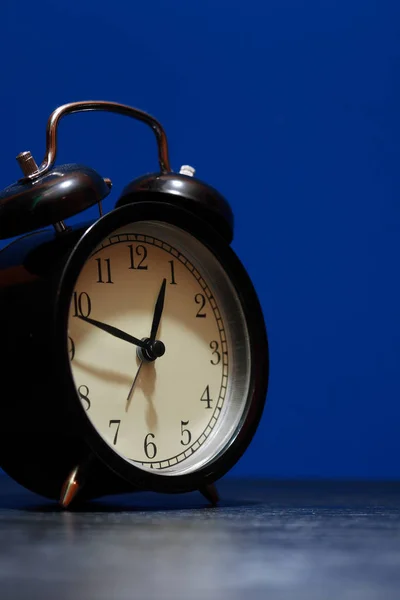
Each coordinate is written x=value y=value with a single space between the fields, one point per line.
x=171 y=389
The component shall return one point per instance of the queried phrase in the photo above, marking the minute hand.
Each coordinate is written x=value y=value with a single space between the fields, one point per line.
x=115 y=332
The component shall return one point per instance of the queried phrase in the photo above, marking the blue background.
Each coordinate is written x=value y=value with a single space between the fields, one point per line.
x=291 y=109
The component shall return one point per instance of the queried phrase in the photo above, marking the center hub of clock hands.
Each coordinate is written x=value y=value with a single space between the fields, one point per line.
x=154 y=349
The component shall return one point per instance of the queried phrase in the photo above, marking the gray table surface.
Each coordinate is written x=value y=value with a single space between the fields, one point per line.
x=266 y=540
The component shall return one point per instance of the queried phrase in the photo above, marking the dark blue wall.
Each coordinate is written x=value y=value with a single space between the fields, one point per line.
x=291 y=109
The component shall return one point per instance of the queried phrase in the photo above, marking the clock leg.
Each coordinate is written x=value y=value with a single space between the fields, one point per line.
x=210 y=493
x=76 y=480
x=91 y=479
x=72 y=485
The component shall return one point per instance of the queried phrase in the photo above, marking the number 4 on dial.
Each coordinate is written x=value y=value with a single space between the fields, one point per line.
x=206 y=397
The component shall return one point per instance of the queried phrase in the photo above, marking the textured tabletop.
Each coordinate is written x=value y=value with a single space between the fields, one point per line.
x=266 y=540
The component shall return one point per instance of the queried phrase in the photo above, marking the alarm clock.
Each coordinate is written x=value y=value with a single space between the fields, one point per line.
x=134 y=348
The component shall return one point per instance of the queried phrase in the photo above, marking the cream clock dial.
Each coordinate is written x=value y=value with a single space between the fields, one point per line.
x=159 y=408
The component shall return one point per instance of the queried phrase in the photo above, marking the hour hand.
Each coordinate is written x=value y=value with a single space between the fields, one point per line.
x=158 y=309
x=122 y=335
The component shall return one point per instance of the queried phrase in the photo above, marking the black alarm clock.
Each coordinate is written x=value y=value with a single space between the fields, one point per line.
x=134 y=348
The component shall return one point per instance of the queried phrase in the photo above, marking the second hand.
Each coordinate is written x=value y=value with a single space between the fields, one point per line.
x=128 y=401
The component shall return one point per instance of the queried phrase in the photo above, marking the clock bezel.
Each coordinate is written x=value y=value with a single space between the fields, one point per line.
x=259 y=354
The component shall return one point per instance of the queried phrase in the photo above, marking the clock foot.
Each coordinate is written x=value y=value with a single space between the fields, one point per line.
x=72 y=485
x=210 y=493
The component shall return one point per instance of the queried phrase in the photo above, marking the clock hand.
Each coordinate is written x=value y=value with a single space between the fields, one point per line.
x=158 y=311
x=153 y=348
x=116 y=332
x=128 y=400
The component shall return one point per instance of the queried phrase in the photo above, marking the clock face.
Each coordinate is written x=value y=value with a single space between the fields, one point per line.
x=173 y=402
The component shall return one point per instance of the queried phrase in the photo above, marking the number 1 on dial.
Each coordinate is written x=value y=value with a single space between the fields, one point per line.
x=172 y=282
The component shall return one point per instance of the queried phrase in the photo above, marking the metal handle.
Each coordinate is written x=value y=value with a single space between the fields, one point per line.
x=92 y=105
